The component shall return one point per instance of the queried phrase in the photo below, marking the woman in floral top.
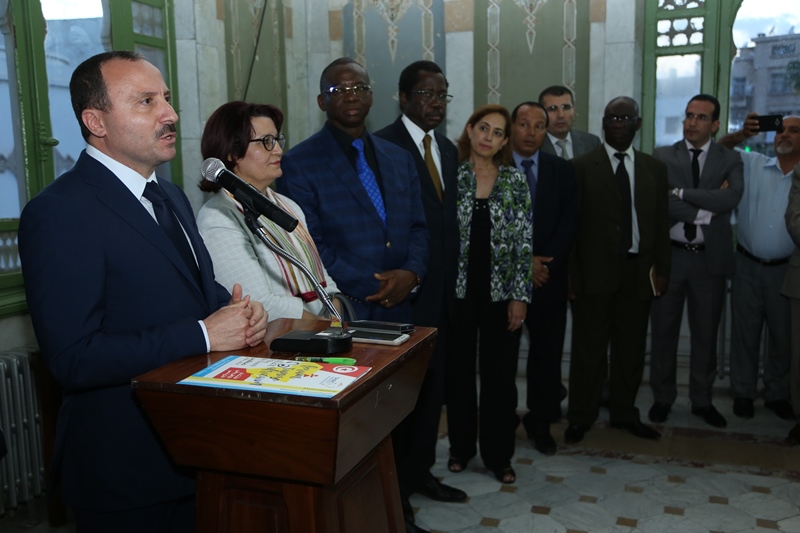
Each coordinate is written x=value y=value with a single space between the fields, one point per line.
x=492 y=291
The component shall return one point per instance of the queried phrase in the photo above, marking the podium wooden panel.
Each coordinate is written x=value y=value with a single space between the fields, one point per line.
x=285 y=463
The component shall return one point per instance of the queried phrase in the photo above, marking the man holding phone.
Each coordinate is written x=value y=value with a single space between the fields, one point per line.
x=764 y=247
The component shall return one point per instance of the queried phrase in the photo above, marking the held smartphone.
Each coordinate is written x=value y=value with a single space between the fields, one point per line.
x=770 y=123
x=377 y=325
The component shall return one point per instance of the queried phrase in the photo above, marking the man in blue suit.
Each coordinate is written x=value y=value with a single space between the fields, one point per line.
x=374 y=245
x=112 y=297
x=555 y=217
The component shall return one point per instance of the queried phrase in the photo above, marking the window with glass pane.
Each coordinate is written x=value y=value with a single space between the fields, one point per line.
x=148 y=20
x=766 y=54
x=74 y=33
x=778 y=83
x=12 y=186
x=677 y=80
x=12 y=178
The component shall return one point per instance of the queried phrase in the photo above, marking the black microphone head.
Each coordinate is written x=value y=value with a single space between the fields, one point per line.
x=211 y=168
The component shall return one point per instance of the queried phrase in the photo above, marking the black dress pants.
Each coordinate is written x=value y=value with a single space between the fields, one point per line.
x=490 y=419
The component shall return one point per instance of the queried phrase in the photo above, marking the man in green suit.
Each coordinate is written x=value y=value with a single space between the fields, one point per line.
x=621 y=259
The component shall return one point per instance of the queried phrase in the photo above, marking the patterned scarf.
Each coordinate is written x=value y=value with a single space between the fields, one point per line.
x=297 y=243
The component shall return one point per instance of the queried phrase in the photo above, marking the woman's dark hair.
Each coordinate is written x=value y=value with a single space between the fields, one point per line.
x=228 y=132
x=503 y=156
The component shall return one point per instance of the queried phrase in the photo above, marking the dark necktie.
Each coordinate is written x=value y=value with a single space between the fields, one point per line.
x=690 y=230
x=528 y=165
x=368 y=180
x=626 y=225
x=431 y=164
x=169 y=223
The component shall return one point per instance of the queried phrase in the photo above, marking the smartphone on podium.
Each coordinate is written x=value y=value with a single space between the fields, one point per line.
x=377 y=325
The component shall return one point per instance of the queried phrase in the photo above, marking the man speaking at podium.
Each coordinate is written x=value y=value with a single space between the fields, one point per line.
x=119 y=283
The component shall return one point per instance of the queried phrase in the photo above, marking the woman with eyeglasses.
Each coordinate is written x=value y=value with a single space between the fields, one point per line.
x=493 y=288
x=247 y=138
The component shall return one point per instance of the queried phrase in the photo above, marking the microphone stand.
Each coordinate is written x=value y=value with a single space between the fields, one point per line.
x=326 y=341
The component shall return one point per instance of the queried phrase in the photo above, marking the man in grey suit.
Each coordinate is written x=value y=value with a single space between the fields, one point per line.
x=706 y=182
x=561 y=139
x=791 y=288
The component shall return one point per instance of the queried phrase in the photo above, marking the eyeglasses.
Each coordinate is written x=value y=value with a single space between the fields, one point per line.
x=358 y=91
x=621 y=119
x=429 y=95
x=554 y=108
x=701 y=117
x=269 y=141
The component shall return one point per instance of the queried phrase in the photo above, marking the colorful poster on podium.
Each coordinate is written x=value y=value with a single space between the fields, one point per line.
x=303 y=378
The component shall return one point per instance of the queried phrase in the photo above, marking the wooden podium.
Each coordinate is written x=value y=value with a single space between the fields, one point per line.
x=286 y=463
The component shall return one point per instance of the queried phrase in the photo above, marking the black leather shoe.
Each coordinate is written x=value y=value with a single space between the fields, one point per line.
x=637 y=429
x=782 y=408
x=575 y=432
x=659 y=412
x=408 y=518
x=793 y=437
x=435 y=490
x=711 y=416
x=411 y=527
x=543 y=441
x=743 y=408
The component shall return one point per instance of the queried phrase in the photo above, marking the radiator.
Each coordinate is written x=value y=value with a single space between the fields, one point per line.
x=22 y=471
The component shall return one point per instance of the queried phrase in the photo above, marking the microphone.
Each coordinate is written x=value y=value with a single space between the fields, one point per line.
x=214 y=171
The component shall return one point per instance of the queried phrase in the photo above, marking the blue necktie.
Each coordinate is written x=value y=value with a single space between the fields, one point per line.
x=528 y=164
x=368 y=180
x=169 y=223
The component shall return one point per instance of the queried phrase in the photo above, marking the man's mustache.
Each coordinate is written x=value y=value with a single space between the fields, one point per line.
x=169 y=128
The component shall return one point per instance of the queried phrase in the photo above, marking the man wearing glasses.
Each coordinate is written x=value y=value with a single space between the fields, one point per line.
x=422 y=92
x=620 y=262
x=561 y=139
x=361 y=198
x=706 y=182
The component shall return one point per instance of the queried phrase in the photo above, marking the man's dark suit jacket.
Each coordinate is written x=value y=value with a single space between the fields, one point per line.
x=721 y=165
x=595 y=261
x=582 y=142
x=555 y=221
x=439 y=283
x=349 y=234
x=110 y=299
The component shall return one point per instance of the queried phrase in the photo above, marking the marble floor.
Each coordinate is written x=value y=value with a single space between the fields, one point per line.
x=696 y=479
